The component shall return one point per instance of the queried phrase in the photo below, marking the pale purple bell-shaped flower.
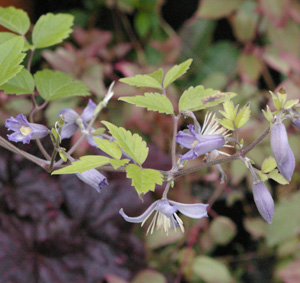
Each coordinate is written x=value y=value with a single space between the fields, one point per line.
x=198 y=144
x=93 y=178
x=279 y=143
x=73 y=120
x=287 y=168
x=165 y=216
x=23 y=130
x=296 y=123
x=263 y=200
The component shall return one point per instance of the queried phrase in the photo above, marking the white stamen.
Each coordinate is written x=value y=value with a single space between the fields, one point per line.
x=25 y=131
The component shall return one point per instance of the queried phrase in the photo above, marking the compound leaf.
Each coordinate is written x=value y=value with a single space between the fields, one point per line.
x=142 y=81
x=111 y=148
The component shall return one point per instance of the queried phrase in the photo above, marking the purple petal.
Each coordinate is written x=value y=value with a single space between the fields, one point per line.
x=164 y=207
x=70 y=115
x=279 y=142
x=91 y=141
x=189 y=155
x=196 y=210
x=68 y=130
x=208 y=143
x=263 y=200
x=14 y=124
x=93 y=178
x=296 y=123
x=18 y=137
x=88 y=111
x=38 y=131
x=287 y=168
x=185 y=139
x=142 y=217
x=192 y=131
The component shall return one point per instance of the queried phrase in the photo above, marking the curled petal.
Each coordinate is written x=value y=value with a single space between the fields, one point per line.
x=68 y=130
x=279 y=142
x=263 y=200
x=189 y=155
x=209 y=143
x=196 y=210
x=185 y=139
x=88 y=111
x=164 y=207
x=18 y=137
x=142 y=217
x=14 y=124
x=287 y=168
x=70 y=115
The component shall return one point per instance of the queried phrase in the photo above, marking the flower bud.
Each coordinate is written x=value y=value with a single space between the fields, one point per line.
x=287 y=168
x=263 y=200
x=296 y=123
x=279 y=142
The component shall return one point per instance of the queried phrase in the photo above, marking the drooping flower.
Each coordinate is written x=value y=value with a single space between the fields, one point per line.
x=93 y=178
x=279 y=143
x=73 y=121
x=263 y=200
x=165 y=216
x=23 y=130
x=209 y=138
x=287 y=168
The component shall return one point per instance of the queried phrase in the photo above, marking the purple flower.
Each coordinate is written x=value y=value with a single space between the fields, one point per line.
x=93 y=178
x=198 y=143
x=296 y=123
x=165 y=216
x=23 y=130
x=279 y=143
x=73 y=120
x=263 y=200
x=287 y=168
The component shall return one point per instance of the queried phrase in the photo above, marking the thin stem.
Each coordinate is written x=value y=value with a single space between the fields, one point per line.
x=173 y=150
x=30 y=59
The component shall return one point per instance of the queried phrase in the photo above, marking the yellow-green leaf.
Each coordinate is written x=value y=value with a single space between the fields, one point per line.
x=111 y=148
x=263 y=177
x=276 y=176
x=132 y=144
x=291 y=103
x=118 y=163
x=268 y=165
x=228 y=124
x=229 y=109
x=177 y=71
x=142 y=81
x=143 y=180
x=158 y=75
x=152 y=101
x=243 y=116
x=268 y=114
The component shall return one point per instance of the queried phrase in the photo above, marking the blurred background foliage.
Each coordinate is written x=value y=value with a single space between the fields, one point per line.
x=245 y=46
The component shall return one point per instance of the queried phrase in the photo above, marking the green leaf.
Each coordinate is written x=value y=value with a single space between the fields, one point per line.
x=243 y=116
x=53 y=85
x=85 y=163
x=133 y=145
x=63 y=156
x=111 y=148
x=268 y=114
x=98 y=131
x=199 y=98
x=263 y=177
x=10 y=58
x=291 y=103
x=143 y=180
x=14 y=19
x=158 y=75
x=142 y=81
x=22 y=83
x=177 y=71
x=229 y=109
x=228 y=124
x=118 y=163
x=268 y=165
x=276 y=176
x=51 y=29
x=152 y=101
x=210 y=270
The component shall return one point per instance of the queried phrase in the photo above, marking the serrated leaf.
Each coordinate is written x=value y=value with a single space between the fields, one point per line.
x=10 y=58
x=276 y=101
x=22 y=83
x=158 y=75
x=177 y=71
x=53 y=85
x=291 y=103
x=143 y=180
x=85 y=163
x=111 y=148
x=268 y=165
x=226 y=124
x=276 y=176
x=268 y=114
x=151 y=101
x=229 y=109
x=118 y=163
x=197 y=98
x=263 y=177
x=142 y=81
x=243 y=116
x=14 y=19
x=51 y=29
x=132 y=144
